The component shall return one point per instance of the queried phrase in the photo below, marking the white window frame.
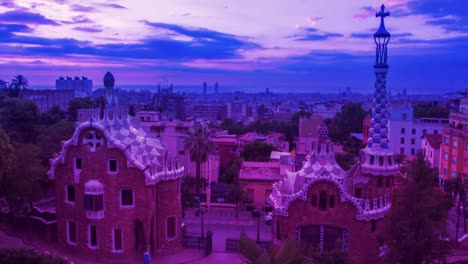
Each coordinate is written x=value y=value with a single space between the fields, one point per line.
x=89 y=237
x=68 y=233
x=121 y=240
x=167 y=229
x=133 y=199
x=66 y=194
x=116 y=166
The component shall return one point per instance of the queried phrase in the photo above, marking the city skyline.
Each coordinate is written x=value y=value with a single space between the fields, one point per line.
x=301 y=45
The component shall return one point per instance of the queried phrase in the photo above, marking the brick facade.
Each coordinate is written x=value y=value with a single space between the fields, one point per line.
x=152 y=204
x=117 y=192
x=362 y=246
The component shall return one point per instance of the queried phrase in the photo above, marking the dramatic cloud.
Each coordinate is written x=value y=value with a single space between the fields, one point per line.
x=81 y=8
x=114 y=6
x=216 y=41
x=365 y=12
x=452 y=15
x=78 y=20
x=88 y=29
x=8 y=4
x=10 y=28
x=313 y=34
x=25 y=17
x=206 y=44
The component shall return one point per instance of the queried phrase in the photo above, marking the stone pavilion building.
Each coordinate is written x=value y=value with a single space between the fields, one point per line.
x=117 y=192
x=322 y=206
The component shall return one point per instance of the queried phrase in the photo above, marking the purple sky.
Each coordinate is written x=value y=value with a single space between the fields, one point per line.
x=289 y=45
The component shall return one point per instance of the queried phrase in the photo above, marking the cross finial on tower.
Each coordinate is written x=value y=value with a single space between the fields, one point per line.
x=382 y=12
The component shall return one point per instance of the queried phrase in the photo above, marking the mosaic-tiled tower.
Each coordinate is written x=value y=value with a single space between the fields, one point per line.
x=377 y=158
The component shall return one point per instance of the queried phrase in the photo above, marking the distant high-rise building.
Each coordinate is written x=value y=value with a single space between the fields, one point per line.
x=82 y=87
x=216 y=87
x=204 y=87
x=171 y=105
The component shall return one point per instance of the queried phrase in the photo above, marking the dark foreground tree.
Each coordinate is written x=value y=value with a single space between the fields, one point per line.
x=417 y=220
x=257 y=151
x=29 y=256
x=20 y=118
x=6 y=157
x=23 y=183
x=238 y=196
x=78 y=103
x=348 y=120
x=286 y=253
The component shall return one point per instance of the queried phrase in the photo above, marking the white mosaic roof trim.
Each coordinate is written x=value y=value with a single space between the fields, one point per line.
x=322 y=166
x=141 y=151
x=367 y=209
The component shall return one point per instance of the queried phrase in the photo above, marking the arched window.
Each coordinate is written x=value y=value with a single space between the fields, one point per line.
x=331 y=201
x=373 y=226
x=313 y=200
x=278 y=235
x=323 y=201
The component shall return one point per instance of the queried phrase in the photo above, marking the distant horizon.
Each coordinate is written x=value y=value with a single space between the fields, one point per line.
x=197 y=89
x=326 y=45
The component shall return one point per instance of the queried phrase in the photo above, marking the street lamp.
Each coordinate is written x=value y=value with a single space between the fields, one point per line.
x=256 y=213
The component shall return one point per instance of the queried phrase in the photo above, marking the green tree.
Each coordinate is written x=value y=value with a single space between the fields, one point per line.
x=233 y=127
x=418 y=218
x=78 y=103
x=20 y=118
x=286 y=253
x=199 y=146
x=53 y=115
x=187 y=187
x=3 y=84
x=238 y=196
x=6 y=157
x=23 y=183
x=50 y=139
x=257 y=151
x=348 y=120
x=430 y=109
x=230 y=174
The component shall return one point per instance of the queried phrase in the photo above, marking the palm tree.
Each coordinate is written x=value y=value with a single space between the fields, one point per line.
x=3 y=84
x=18 y=82
x=199 y=146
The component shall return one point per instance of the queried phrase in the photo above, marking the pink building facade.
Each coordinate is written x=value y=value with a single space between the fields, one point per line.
x=117 y=194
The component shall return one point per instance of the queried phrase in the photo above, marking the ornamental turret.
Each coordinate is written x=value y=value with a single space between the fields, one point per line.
x=111 y=97
x=376 y=158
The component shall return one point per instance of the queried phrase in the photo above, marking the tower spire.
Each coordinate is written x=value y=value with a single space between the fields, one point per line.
x=377 y=159
x=378 y=134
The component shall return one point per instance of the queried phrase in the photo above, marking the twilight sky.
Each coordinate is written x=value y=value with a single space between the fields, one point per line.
x=293 y=45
